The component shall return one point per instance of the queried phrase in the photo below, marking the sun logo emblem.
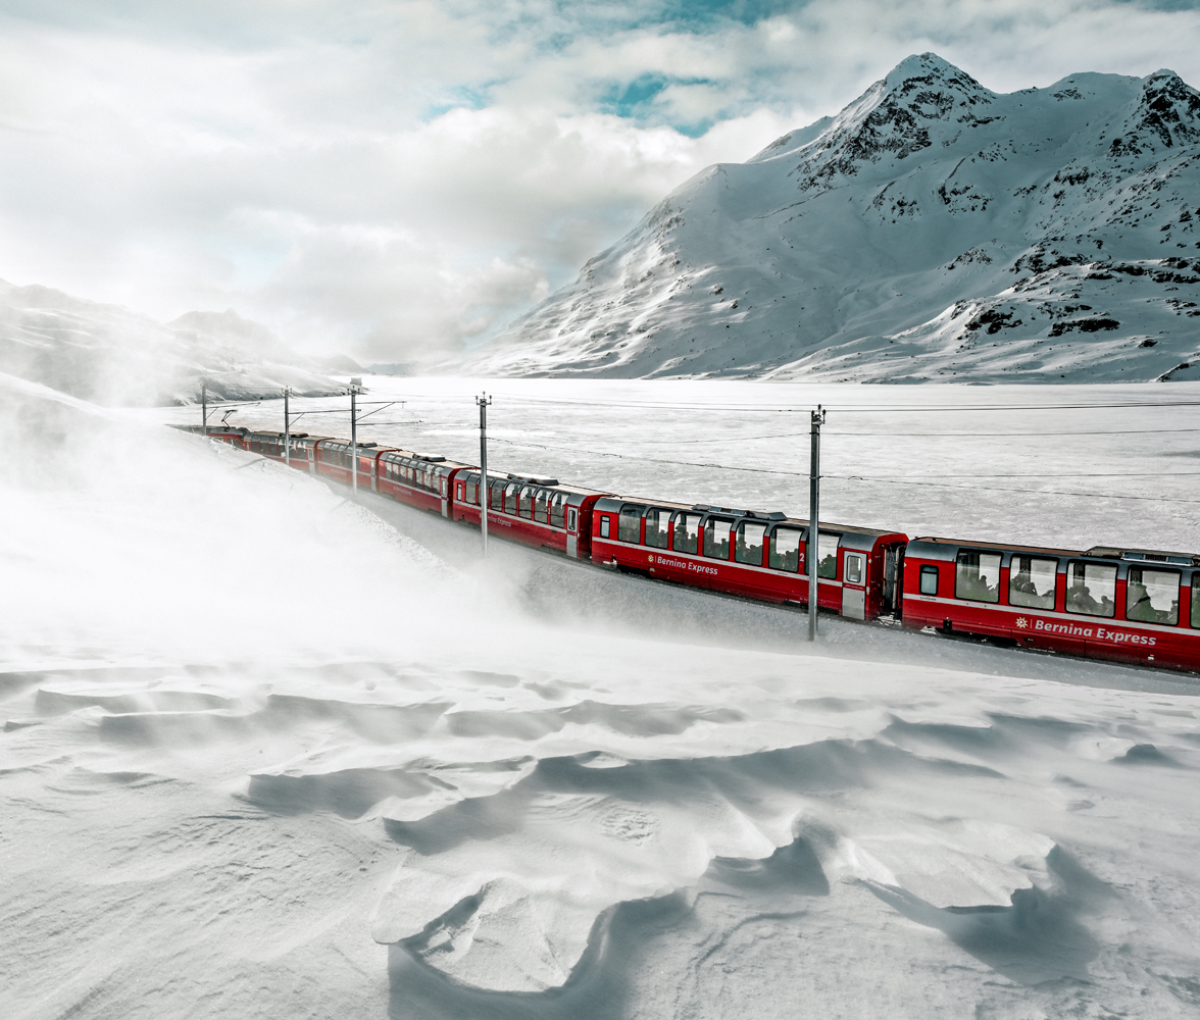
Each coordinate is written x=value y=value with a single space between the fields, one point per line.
x=650 y=557
x=1022 y=622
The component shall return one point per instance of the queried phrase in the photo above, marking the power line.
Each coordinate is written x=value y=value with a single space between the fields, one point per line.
x=895 y=479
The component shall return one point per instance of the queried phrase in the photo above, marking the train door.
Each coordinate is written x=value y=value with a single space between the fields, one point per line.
x=573 y=532
x=854 y=585
x=445 y=490
x=893 y=580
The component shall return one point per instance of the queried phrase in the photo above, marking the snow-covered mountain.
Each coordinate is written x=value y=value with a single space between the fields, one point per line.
x=934 y=229
x=109 y=354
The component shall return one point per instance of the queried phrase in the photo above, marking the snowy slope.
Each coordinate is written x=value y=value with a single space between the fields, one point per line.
x=113 y=355
x=933 y=229
x=264 y=757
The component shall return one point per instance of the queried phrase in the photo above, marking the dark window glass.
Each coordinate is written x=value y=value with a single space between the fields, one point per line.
x=658 y=528
x=557 y=506
x=473 y=491
x=572 y=518
x=510 y=498
x=854 y=568
x=1196 y=599
x=687 y=533
x=629 y=523
x=1031 y=581
x=497 y=491
x=827 y=547
x=716 y=538
x=785 y=549
x=604 y=525
x=1152 y=596
x=929 y=580
x=977 y=576
x=749 y=545
x=1091 y=588
x=541 y=506
x=525 y=507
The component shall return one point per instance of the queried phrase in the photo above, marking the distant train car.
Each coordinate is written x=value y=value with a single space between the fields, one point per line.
x=1130 y=605
x=422 y=480
x=540 y=512
x=754 y=554
x=267 y=444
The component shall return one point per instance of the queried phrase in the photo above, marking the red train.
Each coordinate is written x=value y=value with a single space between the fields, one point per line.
x=1128 y=605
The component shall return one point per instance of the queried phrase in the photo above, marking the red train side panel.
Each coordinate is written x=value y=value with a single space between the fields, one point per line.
x=536 y=511
x=757 y=555
x=1125 y=605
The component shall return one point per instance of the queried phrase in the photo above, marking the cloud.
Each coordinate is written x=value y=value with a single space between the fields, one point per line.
x=398 y=177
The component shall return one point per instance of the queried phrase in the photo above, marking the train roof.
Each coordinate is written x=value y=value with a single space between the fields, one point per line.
x=1095 y=552
x=767 y=517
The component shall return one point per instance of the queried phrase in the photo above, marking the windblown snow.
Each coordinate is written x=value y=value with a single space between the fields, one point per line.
x=268 y=752
x=932 y=230
x=111 y=355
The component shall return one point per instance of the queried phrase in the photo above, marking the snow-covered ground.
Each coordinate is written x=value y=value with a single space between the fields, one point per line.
x=269 y=753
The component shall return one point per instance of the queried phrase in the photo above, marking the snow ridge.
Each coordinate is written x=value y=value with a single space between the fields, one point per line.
x=933 y=229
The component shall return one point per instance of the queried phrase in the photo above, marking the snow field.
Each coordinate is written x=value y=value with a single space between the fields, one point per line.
x=252 y=729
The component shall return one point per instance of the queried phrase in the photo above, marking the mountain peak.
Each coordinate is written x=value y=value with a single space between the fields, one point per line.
x=928 y=69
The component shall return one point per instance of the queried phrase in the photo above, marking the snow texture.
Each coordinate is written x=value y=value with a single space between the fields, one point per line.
x=932 y=230
x=268 y=752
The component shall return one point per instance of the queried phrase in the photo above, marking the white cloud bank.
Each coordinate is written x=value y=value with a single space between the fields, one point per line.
x=398 y=178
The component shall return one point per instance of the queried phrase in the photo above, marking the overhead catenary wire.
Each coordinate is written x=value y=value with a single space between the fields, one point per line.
x=892 y=479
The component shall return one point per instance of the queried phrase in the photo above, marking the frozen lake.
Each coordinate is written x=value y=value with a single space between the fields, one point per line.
x=1039 y=464
x=269 y=753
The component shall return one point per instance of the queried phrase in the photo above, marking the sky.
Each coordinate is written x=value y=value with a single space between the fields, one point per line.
x=397 y=179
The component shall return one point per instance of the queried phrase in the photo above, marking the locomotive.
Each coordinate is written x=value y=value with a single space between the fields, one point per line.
x=1134 y=606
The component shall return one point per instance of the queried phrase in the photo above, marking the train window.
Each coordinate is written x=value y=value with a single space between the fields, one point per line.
x=1092 y=589
x=785 y=549
x=854 y=568
x=1152 y=596
x=497 y=495
x=572 y=519
x=1031 y=582
x=461 y=491
x=541 y=504
x=629 y=523
x=525 y=506
x=557 y=507
x=749 y=545
x=472 y=494
x=977 y=576
x=604 y=525
x=716 y=538
x=687 y=533
x=1196 y=599
x=929 y=580
x=827 y=547
x=510 y=498
x=658 y=528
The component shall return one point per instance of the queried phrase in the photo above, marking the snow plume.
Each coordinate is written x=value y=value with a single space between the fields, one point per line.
x=262 y=752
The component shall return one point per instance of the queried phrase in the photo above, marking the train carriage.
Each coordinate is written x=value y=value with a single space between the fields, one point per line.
x=537 y=511
x=750 y=553
x=423 y=480
x=334 y=458
x=1129 y=605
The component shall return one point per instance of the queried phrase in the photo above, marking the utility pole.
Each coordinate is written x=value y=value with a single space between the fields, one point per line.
x=484 y=493
x=814 y=520
x=287 y=428
x=355 y=386
x=204 y=405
